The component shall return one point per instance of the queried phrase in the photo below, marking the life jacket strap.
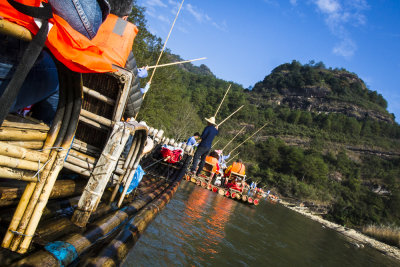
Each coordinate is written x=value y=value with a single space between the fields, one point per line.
x=29 y=57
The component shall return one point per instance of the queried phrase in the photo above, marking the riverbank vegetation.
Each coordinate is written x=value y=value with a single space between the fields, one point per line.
x=387 y=234
x=330 y=139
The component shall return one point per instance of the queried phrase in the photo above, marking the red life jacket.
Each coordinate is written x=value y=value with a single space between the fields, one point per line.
x=115 y=37
x=70 y=47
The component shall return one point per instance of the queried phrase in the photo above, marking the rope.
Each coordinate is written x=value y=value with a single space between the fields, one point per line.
x=58 y=148
x=21 y=234
x=40 y=169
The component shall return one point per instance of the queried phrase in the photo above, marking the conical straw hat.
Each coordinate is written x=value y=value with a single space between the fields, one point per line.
x=211 y=120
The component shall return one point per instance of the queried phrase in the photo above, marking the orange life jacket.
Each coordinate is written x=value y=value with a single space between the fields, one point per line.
x=70 y=47
x=115 y=36
x=213 y=160
x=236 y=167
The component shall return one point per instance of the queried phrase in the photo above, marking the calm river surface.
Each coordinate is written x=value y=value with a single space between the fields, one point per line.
x=201 y=228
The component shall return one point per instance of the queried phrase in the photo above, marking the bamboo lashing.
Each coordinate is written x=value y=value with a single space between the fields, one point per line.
x=241 y=130
x=222 y=101
x=175 y=63
x=230 y=116
x=248 y=138
x=162 y=50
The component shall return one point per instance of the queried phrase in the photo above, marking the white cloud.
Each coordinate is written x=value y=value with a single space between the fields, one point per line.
x=293 y=2
x=328 y=6
x=163 y=19
x=339 y=16
x=155 y=3
x=198 y=15
x=346 y=48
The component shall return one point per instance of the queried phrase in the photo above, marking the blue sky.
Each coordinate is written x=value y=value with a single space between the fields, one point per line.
x=244 y=40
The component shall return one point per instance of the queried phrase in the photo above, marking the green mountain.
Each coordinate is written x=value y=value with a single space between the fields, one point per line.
x=329 y=139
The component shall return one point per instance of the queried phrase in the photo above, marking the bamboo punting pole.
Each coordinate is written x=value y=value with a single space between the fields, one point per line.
x=222 y=101
x=230 y=116
x=216 y=142
x=14 y=30
x=248 y=138
x=241 y=130
x=175 y=63
x=237 y=154
x=165 y=43
x=8 y=134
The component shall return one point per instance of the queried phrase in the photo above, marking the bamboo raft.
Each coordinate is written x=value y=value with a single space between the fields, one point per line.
x=63 y=188
x=206 y=183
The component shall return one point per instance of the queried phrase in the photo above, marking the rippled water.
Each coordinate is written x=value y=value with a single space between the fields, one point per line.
x=201 y=228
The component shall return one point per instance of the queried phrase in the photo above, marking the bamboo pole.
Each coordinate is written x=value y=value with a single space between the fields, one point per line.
x=248 y=138
x=12 y=173
x=10 y=150
x=73 y=83
x=216 y=112
x=14 y=30
x=94 y=123
x=162 y=50
x=96 y=118
x=216 y=142
x=101 y=174
x=27 y=144
x=20 y=163
x=99 y=96
x=230 y=115
x=175 y=63
x=133 y=166
x=51 y=139
x=237 y=154
x=9 y=134
x=233 y=138
x=94 y=235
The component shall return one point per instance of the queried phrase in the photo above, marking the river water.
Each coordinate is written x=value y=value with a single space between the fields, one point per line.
x=201 y=228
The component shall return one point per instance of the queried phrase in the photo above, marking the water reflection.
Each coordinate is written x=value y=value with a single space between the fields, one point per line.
x=201 y=228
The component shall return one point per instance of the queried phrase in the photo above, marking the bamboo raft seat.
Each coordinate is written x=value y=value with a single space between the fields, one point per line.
x=207 y=171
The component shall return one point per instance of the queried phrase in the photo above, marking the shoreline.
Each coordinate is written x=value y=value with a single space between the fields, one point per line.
x=358 y=237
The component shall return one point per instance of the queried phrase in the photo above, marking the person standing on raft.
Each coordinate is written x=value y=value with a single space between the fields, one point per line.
x=204 y=147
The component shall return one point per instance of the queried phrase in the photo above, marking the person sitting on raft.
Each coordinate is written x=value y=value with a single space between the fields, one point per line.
x=222 y=159
x=213 y=159
x=192 y=141
x=237 y=167
x=236 y=185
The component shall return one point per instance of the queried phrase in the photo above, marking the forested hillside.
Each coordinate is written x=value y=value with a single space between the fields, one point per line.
x=329 y=139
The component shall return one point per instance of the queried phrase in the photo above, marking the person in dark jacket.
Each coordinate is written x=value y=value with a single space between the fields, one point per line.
x=204 y=147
